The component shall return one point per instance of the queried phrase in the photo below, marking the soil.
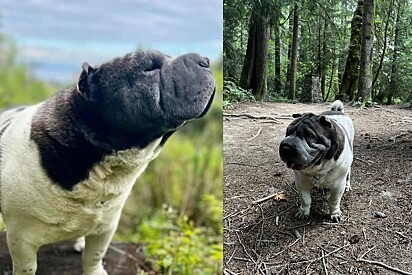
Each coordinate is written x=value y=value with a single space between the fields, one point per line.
x=60 y=259
x=266 y=238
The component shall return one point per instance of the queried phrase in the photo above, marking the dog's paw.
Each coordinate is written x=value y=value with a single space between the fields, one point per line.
x=99 y=271
x=336 y=217
x=301 y=214
x=79 y=245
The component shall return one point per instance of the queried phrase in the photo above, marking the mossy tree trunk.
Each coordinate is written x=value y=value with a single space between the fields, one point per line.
x=256 y=58
x=350 y=77
x=294 y=54
x=278 y=82
x=393 y=82
x=365 y=76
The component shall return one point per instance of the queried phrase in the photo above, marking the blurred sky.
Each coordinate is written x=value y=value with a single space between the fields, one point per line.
x=56 y=37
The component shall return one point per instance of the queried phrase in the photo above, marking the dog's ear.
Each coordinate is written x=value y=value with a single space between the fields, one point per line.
x=325 y=121
x=83 y=84
x=296 y=115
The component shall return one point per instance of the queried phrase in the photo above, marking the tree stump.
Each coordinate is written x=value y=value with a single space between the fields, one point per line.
x=60 y=259
x=311 y=89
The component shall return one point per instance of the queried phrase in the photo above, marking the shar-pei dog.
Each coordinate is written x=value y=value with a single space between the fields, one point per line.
x=319 y=149
x=68 y=164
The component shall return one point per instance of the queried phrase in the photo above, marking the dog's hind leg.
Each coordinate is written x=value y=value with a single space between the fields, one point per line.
x=348 y=186
x=79 y=244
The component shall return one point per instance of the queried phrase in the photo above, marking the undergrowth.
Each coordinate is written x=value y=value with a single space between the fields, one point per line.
x=232 y=93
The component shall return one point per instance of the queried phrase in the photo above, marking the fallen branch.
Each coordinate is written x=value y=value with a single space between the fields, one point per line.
x=322 y=257
x=259 y=201
x=255 y=136
x=364 y=161
x=394 y=269
x=244 y=248
x=324 y=263
x=130 y=256
x=274 y=118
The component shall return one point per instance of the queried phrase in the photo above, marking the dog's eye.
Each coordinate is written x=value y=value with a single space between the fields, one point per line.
x=154 y=65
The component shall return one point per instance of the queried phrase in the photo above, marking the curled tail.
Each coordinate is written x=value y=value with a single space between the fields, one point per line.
x=337 y=105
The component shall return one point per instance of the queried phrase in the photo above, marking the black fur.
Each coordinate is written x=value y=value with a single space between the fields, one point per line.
x=125 y=103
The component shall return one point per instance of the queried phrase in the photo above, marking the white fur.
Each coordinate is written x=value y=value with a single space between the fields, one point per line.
x=37 y=211
x=331 y=174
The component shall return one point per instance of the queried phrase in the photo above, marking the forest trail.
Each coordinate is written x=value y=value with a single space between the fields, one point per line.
x=265 y=238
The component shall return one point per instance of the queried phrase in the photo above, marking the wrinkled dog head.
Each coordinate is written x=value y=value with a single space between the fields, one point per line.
x=309 y=139
x=148 y=91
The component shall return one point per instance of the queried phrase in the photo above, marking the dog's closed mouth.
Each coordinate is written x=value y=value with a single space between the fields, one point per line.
x=208 y=104
x=298 y=166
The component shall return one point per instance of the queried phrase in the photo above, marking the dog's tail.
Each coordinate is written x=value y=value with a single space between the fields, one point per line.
x=337 y=105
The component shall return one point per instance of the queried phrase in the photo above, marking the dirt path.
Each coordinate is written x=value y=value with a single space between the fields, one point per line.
x=267 y=239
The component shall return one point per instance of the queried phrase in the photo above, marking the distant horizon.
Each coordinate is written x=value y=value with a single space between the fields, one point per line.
x=55 y=37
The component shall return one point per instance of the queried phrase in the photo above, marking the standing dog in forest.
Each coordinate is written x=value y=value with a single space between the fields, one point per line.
x=319 y=149
x=68 y=164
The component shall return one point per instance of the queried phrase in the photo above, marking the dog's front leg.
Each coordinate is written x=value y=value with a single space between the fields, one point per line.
x=336 y=194
x=23 y=252
x=94 y=251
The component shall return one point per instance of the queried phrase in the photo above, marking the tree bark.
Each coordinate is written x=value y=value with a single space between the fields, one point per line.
x=294 y=54
x=351 y=73
x=278 y=81
x=256 y=58
x=323 y=60
x=365 y=77
x=393 y=82
x=287 y=82
x=385 y=42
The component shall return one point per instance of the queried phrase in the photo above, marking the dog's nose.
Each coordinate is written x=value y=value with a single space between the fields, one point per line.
x=286 y=150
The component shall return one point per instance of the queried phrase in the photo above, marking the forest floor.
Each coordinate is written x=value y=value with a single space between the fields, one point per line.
x=265 y=238
x=60 y=259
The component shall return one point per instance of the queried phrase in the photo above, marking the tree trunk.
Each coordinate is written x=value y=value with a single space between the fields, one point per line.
x=351 y=73
x=385 y=42
x=323 y=60
x=365 y=76
x=393 y=82
x=256 y=58
x=294 y=54
x=246 y=78
x=287 y=82
x=278 y=81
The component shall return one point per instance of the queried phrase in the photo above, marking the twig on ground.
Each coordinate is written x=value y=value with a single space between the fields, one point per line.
x=259 y=201
x=262 y=226
x=364 y=233
x=324 y=263
x=394 y=269
x=130 y=256
x=367 y=251
x=231 y=256
x=227 y=271
x=324 y=256
x=244 y=248
x=255 y=136
x=364 y=161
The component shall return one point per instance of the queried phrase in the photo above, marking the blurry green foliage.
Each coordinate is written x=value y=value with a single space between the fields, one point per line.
x=17 y=85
